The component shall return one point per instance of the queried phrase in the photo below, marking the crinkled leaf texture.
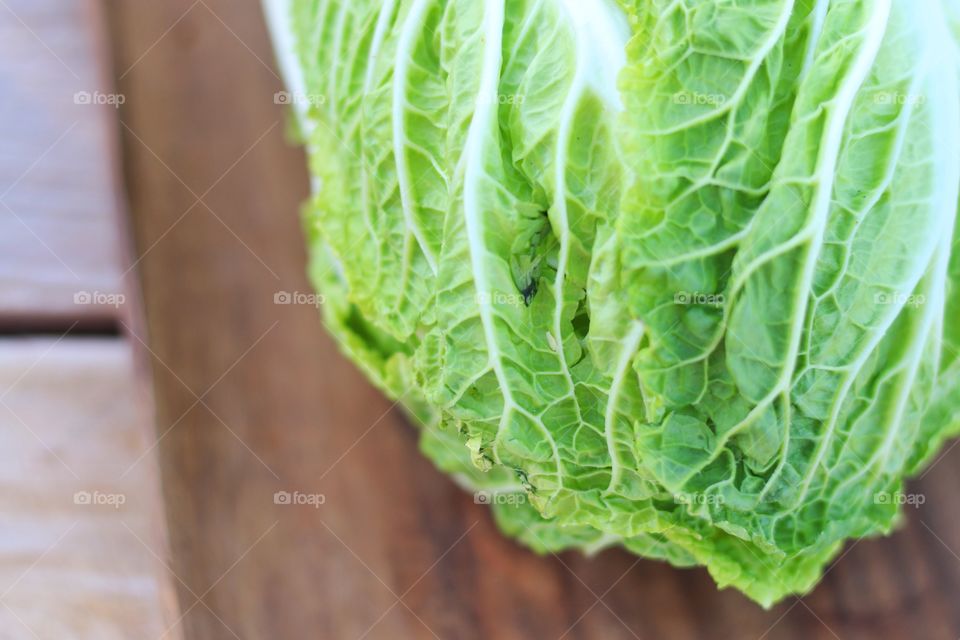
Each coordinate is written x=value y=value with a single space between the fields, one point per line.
x=677 y=275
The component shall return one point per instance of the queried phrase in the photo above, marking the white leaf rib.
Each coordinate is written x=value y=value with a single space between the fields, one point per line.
x=482 y=130
x=945 y=95
x=559 y=210
x=383 y=21
x=410 y=33
x=824 y=177
x=596 y=33
x=337 y=46
x=379 y=35
x=630 y=346
x=851 y=371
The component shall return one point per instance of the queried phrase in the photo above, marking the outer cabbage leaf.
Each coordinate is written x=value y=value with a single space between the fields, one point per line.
x=672 y=275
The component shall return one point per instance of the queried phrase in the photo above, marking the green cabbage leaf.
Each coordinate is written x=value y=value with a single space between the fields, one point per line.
x=681 y=276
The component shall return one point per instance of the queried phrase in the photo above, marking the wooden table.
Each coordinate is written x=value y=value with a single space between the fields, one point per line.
x=252 y=398
x=82 y=540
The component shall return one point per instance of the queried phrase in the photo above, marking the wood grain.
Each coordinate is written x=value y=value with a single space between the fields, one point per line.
x=79 y=495
x=59 y=242
x=83 y=535
x=395 y=551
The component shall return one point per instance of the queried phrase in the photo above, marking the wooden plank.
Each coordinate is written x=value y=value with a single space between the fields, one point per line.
x=59 y=259
x=79 y=497
x=280 y=410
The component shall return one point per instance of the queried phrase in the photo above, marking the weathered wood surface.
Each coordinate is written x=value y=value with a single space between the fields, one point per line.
x=253 y=398
x=59 y=241
x=81 y=539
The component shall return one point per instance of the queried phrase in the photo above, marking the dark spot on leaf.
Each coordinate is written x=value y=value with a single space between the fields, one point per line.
x=529 y=291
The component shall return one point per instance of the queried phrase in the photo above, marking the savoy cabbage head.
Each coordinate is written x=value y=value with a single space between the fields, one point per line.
x=677 y=275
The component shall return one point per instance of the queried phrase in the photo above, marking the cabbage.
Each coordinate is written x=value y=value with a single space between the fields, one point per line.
x=676 y=275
